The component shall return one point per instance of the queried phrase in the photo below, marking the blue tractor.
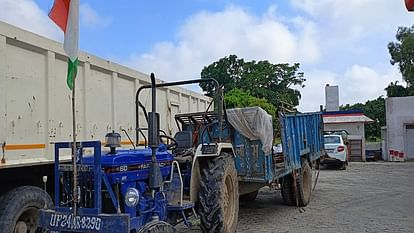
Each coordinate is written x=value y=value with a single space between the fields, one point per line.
x=196 y=176
x=125 y=190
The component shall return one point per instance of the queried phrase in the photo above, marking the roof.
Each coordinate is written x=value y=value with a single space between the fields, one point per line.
x=345 y=117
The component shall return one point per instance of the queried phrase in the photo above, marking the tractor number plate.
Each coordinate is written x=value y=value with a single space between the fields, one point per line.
x=67 y=222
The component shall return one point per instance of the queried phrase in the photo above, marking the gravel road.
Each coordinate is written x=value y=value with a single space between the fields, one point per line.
x=367 y=197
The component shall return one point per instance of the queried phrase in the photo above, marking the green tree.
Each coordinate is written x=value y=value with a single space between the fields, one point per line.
x=374 y=109
x=227 y=71
x=262 y=79
x=236 y=98
x=402 y=54
x=396 y=90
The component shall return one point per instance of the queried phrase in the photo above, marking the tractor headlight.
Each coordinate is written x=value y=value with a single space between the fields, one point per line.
x=132 y=197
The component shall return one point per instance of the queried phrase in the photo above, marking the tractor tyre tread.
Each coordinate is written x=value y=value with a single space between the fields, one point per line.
x=211 y=195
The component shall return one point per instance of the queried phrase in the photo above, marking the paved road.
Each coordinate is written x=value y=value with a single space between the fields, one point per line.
x=367 y=197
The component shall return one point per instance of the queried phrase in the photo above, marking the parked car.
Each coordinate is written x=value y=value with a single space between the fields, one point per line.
x=336 y=151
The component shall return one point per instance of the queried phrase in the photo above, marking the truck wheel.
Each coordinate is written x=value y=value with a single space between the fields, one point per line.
x=288 y=191
x=304 y=184
x=157 y=227
x=249 y=196
x=219 y=195
x=19 y=209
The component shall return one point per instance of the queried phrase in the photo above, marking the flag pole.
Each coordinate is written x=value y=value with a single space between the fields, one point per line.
x=74 y=149
x=67 y=18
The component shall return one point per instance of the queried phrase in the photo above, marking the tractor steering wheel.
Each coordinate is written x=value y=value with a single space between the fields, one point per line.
x=173 y=145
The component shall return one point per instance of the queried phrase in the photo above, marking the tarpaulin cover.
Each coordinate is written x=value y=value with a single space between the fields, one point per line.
x=253 y=123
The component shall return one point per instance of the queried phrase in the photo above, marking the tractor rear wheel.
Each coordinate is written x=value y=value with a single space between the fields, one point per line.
x=304 y=184
x=19 y=209
x=157 y=227
x=219 y=195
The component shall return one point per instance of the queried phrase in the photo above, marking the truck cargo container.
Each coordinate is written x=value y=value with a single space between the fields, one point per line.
x=35 y=110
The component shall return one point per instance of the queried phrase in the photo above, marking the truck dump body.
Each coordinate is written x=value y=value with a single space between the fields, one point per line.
x=35 y=100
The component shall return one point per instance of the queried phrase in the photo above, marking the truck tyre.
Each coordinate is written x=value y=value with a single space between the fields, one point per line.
x=157 y=227
x=19 y=209
x=249 y=196
x=219 y=195
x=304 y=184
x=288 y=190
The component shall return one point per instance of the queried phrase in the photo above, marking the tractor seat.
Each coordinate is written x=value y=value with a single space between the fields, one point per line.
x=184 y=151
x=184 y=140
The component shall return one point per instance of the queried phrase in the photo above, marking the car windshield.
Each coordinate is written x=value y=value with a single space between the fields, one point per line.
x=332 y=139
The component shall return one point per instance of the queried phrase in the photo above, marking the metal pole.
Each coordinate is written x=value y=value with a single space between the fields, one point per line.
x=74 y=149
x=138 y=103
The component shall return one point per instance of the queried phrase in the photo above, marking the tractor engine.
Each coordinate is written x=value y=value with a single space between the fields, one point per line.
x=128 y=175
x=125 y=179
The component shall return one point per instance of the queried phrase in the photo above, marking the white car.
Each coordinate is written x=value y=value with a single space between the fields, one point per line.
x=336 y=149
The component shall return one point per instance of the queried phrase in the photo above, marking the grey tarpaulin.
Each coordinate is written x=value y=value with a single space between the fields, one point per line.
x=253 y=123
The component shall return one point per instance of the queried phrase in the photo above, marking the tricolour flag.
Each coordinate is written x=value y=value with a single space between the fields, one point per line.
x=409 y=4
x=65 y=13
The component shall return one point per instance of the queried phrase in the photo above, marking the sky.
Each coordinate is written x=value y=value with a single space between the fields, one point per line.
x=340 y=42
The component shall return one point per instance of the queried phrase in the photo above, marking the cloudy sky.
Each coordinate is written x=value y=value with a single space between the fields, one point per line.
x=341 y=42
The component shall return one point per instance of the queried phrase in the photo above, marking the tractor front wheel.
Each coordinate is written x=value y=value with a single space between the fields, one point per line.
x=219 y=195
x=157 y=227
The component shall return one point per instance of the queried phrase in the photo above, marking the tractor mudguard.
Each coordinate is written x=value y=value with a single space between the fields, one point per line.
x=196 y=174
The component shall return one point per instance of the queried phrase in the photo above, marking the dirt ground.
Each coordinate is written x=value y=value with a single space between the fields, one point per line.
x=367 y=197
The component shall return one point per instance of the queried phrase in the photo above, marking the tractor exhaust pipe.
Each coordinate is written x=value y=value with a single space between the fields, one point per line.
x=155 y=178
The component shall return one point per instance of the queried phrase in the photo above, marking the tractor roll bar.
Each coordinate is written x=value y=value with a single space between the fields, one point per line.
x=218 y=99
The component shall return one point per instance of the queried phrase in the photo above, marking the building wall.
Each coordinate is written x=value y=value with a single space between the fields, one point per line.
x=399 y=114
x=356 y=129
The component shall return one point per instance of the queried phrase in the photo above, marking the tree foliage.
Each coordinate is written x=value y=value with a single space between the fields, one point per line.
x=374 y=109
x=396 y=90
x=236 y=98
x=402 y=54
x=260 y=79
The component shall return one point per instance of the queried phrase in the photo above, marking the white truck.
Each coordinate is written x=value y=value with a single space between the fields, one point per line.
x=35 y=112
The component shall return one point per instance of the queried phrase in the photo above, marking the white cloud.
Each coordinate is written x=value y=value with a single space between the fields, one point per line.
x=208 y=36
x=356 y=84
x=354 y=30
x=90 y=18
x=308 y=39
x=356 y=19
x=345 y=32
x=313 y=94
x=360 y=83
x=27 y=15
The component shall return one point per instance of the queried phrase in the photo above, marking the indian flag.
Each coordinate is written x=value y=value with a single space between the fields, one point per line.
x=409 y=4
x=65 y=13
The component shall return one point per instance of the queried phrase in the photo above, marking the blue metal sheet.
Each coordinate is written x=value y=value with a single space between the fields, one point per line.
x=302 y=135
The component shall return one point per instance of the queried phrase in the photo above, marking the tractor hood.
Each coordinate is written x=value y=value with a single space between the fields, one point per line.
x=131 y=157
